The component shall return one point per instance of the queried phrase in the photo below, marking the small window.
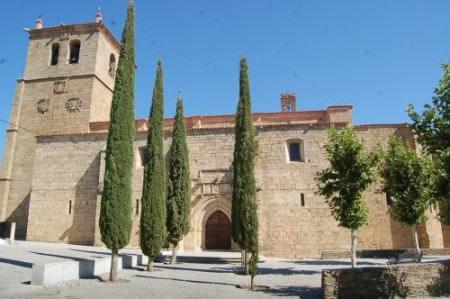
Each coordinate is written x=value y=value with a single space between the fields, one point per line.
x=295 y=151
x=55 y=54
x=142 y=156
x=137 y=207
x=302 y=199
x=70 y=207
x=74 y=51
x=112 y=65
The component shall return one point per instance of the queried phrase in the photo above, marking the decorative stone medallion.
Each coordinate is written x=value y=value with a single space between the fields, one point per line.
x=59 y=87
x=42 y=105
x=73 y=105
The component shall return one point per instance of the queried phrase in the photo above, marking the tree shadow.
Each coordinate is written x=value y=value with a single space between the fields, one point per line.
x=16 y=263
x=207 y=260
x=186 y=280
x=333 y=263
x=301 y=292
x=269 y=271
x=213 y=270
x=286 y=271
x=73 y=258
x=91 y=251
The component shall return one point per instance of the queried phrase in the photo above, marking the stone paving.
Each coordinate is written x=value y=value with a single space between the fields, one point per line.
x=188 y=279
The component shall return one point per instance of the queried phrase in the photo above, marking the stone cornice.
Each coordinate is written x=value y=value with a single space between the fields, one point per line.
x=49 y=32
x=58 y=78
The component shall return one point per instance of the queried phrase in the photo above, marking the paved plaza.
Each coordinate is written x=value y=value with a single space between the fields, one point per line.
x=199 y=275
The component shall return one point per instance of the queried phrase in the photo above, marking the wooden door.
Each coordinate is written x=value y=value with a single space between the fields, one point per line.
x=218 y=231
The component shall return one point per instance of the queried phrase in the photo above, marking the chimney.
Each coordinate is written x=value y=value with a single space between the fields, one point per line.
x=39 y=24
x=288 y=102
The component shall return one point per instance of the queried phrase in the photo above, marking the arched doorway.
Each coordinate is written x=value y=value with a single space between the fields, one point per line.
x=218 y=231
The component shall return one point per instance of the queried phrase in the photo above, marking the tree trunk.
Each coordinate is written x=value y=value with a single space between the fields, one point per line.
x=252 y=282
x=173 y=260
x=113 y=271
x=353 y=248
x=416 y=243
x=246 y=262
x=150 y=265
x=242 y=257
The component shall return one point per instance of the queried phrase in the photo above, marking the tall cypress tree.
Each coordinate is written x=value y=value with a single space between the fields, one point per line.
x=179 y=185
x=244 y=207
x=153 y=212
x=115 y=213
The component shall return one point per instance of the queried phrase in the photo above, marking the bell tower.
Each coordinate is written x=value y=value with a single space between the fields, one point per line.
x=67 y=83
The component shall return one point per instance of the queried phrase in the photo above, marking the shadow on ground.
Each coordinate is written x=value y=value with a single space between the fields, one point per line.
x=186 y=280
x=16 y=263
x=67 y=256
x=302 y=292
x=333 y=263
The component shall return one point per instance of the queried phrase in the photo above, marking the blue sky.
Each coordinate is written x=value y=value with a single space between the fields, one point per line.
x=376 y=55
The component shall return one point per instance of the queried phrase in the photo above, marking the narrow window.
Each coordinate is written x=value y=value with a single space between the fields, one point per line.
x=294 y=151
x=137 y=207
x=142 y=156
x=70 y=207
x=302 y=199
x=388 y=199
x=55 y=54
x=112 y=65
x=74 y=51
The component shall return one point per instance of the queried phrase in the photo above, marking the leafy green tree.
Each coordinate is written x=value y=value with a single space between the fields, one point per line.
x=244 y=206
x=153 y=212
x=115 y=213
x=441 y=184
x=432 y=128
x=179 y=185
x=407 y=179
x=350 y=172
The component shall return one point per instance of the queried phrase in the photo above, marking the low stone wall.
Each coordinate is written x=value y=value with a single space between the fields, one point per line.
x=379 y=253
x=406 y=280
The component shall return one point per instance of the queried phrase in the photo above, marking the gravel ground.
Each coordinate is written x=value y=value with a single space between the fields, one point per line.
x=286 y=278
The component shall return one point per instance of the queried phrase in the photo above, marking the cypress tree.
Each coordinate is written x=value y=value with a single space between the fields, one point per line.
x=115 y=213
x=244 y=207
x=179 y=185
x=153 y=212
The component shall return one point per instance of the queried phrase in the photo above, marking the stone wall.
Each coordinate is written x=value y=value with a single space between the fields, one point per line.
x=69 y=168
x=65 y=187
x=407 y=280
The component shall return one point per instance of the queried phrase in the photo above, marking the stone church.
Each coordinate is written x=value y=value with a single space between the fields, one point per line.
x=53 y=165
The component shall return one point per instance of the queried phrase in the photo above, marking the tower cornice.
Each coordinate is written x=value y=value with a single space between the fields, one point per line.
x=73 y=29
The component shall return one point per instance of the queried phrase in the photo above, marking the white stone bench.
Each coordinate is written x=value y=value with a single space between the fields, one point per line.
x=58 y=272
x=53 y=273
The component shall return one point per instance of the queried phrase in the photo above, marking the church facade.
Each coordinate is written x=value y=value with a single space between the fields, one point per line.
x=53 y=164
